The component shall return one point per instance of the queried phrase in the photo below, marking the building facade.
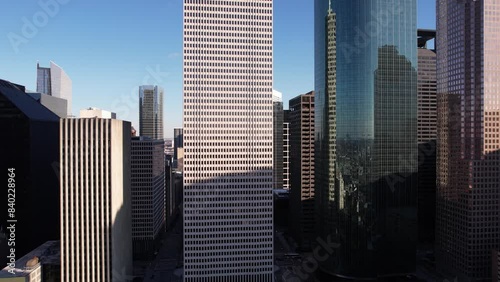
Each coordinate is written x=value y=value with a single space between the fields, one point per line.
x=366 y=136
x=56 y=105
x=468 y=191
x=178 y=148
x=148 y=189
x=42 y=264
x=151 y=111
x=96 y=241
x=286 y=150
x=302 y=169
x=30 y=147
x=228 y=140
x=277 y=140
x=427 y=135
x=55 y=82
x=495 y=275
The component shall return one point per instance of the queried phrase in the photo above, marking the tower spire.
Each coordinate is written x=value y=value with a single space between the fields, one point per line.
x=329 y=5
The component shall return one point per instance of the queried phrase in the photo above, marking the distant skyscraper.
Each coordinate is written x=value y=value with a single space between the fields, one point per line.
x=148 y=195
x=286 y=149
x=178 y=146
x=96 y=241
x=277 y=140
x=366 y=136
x=30 y=146
x=427 y=135
x=228 y=140
x=468 y=158
x=427 y=80
x=55 y=82
x=302 y=168
x=151 y=111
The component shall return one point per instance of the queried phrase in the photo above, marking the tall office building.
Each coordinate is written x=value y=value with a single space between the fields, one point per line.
x=277 y=140
x=96 y=242
x=151 y=111
x=427 y=135
x=468 y=192
x=228 y=140
x=366 y=136
x=148 y=195
x=302 y=169
x=427 y=88
x=55 y=82
x=30 y=146
x=178 y=148
x=286 y=150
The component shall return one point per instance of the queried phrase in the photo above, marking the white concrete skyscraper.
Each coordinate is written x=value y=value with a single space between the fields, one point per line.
x=96 y=241
x=228 y=140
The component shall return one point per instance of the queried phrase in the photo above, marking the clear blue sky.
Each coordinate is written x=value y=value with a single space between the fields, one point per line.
x=110 y=47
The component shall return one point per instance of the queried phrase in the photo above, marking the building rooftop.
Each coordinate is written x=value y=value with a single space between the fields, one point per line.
x=47 y=253
x=27 y=105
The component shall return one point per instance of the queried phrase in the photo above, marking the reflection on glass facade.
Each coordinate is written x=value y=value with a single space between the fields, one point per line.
x=366 y=135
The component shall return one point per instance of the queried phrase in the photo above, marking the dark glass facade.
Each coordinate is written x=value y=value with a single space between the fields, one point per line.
x=30 y=144
x=366 y=135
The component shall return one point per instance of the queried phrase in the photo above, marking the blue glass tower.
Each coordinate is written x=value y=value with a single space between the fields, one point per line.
x=366 y=135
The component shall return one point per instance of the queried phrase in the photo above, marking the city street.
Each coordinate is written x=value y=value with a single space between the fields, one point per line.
x=167 y=266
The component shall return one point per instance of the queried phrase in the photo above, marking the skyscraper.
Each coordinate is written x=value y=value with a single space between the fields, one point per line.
x=96 y=242
x=286 y=150
x=178 y=148
x=148 y=195
x=55 y=82
x=30 y=146
x=366 y=135
x=468 y=192
x=228 y=136
x=427 y=135
x=151 y=111
x=302 y=169
x=277 y=140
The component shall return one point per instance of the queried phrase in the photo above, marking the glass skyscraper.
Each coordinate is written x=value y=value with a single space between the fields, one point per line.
x=366 y=135
x=151 y=111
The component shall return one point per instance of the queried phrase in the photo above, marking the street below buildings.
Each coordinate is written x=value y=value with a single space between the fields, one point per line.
x=167 y=266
